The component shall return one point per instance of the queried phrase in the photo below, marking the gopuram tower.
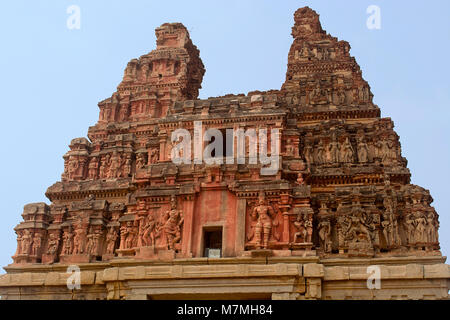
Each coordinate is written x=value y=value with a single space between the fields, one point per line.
x=338 y=209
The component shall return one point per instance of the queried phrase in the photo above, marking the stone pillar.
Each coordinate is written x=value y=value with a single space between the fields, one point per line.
x=241 y=210
x=188 y=225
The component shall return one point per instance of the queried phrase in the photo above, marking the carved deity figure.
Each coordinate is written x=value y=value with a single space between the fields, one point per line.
x=264 y=215
x=325 y=235
x=154 y=156
x=346 y=155
x=299 y=224
x=148 y=230
x=410 y=228
x=111 y=239
x=73 y=168
x=172 y=225
x=53 y=243
x=420 y=222
x=79 y=240
x=115 y=165
x=141 y=161
x=309 y=228
x=37 y=243
x=334 y=151
x=383 y=151
x=68 y=241
x=123 y=113
x=127 y=235
x=93 y=168
x=358 y=228
x=342 y=97
x=320 y=157
x=127 y=166
x=289 y=148
x=309 y=153
x=389 y=223
x=431 y=228
x=363 y=151
x=26 y=241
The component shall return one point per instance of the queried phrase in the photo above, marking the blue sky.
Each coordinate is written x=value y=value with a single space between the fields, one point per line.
x=53 y=77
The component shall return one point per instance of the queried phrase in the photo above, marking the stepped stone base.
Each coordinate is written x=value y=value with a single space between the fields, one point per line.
x=283 y=278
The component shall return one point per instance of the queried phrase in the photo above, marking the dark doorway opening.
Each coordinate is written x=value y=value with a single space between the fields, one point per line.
x=213 y=243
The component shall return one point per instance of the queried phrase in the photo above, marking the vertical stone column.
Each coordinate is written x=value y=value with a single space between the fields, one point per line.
x=188 y=225
x=162 y=147
x=284 y=207
x=241 y=210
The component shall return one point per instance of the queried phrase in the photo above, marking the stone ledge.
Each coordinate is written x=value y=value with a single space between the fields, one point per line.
x=201 y=271
x=28 y=279
x=313 y=270
x=437 y=271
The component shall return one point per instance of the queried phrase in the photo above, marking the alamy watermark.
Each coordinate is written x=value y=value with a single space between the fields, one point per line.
x=374 y=20
x=74 y=280
x=74 y=18
x=235 y=147
x=374 y=279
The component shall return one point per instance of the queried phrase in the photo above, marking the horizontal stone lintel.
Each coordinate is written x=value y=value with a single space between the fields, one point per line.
x=174 y=272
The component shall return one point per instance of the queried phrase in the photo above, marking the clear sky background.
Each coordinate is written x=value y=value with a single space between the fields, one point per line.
x=52 y=78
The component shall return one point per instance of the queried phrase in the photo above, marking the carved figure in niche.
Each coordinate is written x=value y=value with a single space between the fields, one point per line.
x=68 y=241
x=410 y=228
x=19 y=243
x=107 y=113
x=299 y=224
x=343 y=226
x=123 y=114
x=334 y=151
x=358 y=228
x=73 y=167
x=392 y=153
x=420 y=222
x=79 y=240
x=102 y=168
x=309 y=153
x=172 y=226
x=37 y=242
x=264 y=215
x=300 y=179
x=154 y=156
x=342 y=97
x=127 y=166
x=140 y=161
x=347 y=152
x=325 y=235
x=91 y=245
x=115 y=165
x=309 y=228
x=363 y=151
x=93 y=168
x=383 y=150
x=363 y=94
x=26 y=241
x=53 y=243
x=65 y=174
x=127 y=235
x=96 y=240
x=431 y=228
x=289 y=148
x=320 y=159
x=149 y=235
x=111 y=239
